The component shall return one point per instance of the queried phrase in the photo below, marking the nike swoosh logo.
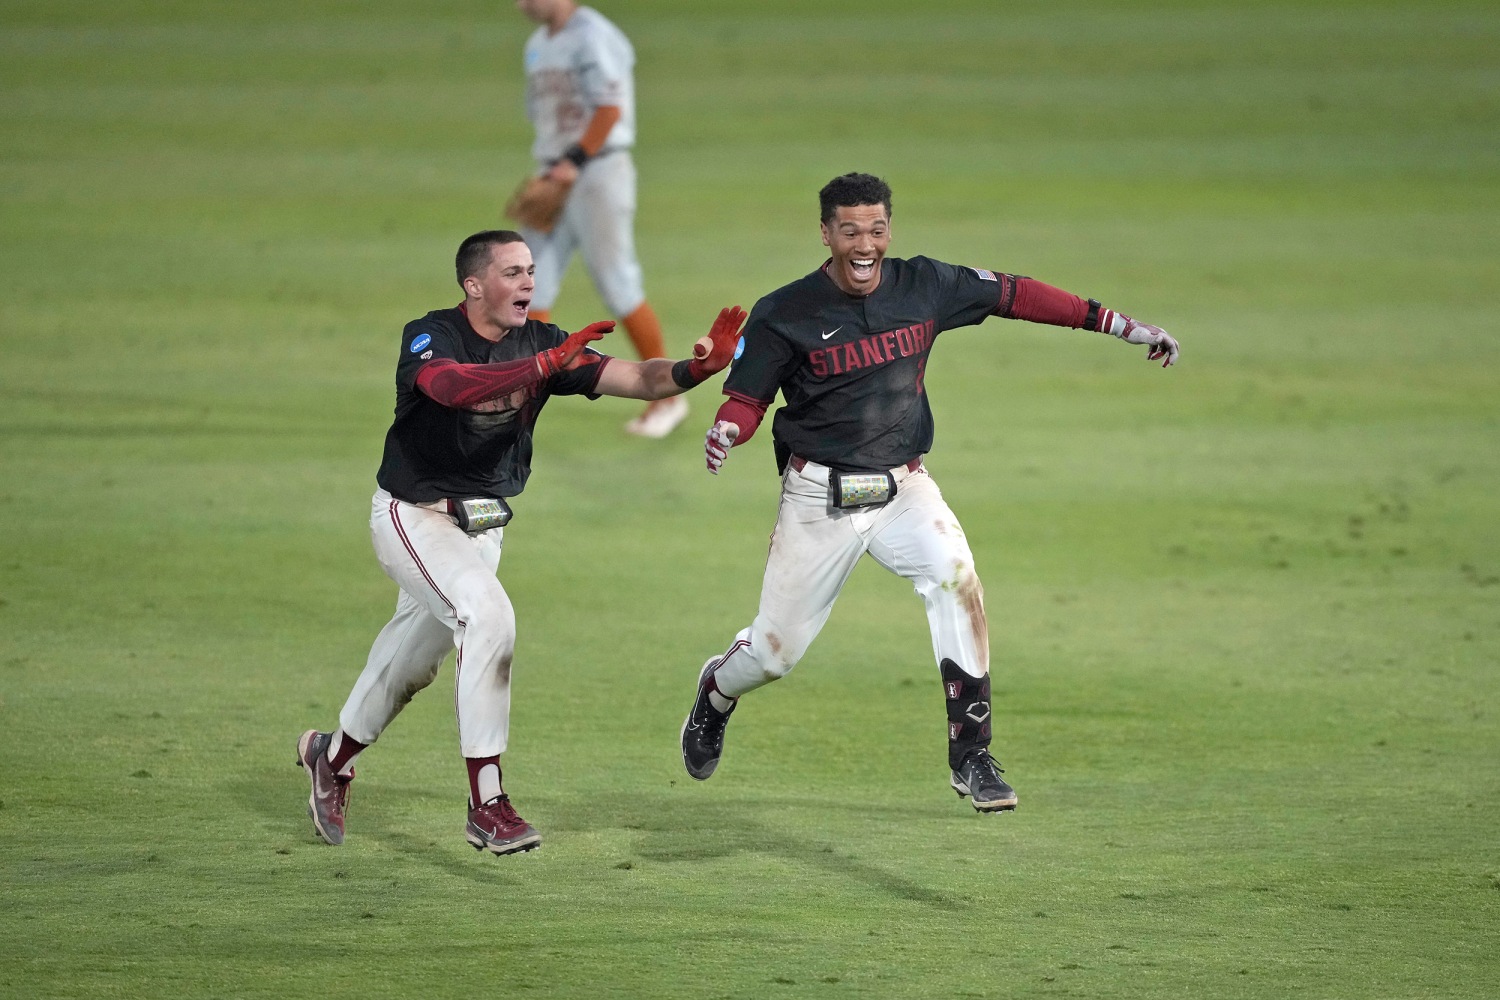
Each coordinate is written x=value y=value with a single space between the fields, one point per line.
x=830 y=333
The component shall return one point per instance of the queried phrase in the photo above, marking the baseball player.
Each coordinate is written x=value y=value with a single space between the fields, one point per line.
x=580 y=97
x=847 y=347
x=470 y=384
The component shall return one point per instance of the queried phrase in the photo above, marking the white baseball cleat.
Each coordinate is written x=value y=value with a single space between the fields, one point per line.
x=660 y=418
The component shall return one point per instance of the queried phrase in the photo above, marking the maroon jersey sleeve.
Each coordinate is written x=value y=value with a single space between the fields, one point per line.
x=447 y=382
x=745 y=416
x=1040 y=302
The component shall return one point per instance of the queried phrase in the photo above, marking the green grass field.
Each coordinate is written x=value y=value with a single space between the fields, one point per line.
x=1245 y=614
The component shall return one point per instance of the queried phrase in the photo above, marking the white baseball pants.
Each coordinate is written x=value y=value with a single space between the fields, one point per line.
x=815 y=547
x=449 y=598
x=598 y=223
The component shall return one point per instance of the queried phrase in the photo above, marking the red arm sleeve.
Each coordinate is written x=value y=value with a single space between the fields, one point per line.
x=461 y=386
x=1040 y=302
x=739 y=410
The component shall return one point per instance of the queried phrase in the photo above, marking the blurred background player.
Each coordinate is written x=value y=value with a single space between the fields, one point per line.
x=580 y=98
x=470 y=384
x=847 y=347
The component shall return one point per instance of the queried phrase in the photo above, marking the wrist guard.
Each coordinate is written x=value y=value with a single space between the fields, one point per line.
x=1102 y=320
x=575 y=153
x=687 y=373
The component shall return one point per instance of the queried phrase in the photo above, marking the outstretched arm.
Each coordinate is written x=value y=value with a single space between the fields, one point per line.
x=464 y=386
x=1040 y=302
x=662 y=377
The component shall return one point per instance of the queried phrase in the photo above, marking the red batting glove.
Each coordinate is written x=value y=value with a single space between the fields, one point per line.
x=721 y=437
x=1161 y=343
x=725 y=336
x=564 y=357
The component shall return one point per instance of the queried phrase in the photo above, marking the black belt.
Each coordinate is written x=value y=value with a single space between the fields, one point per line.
x=798 y=463
x=597 y=156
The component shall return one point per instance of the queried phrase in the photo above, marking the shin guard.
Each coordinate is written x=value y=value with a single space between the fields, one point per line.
x=968 y=712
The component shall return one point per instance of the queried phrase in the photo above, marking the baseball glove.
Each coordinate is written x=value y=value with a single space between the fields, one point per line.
x=538 y=202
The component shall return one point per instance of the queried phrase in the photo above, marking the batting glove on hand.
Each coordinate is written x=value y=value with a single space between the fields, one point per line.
x=1161 y=343
x=712 y=354
x=565 y=356
x=721 y=437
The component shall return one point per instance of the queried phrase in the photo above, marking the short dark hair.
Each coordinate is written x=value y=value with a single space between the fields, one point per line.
x=849 y=190
x=474 y=252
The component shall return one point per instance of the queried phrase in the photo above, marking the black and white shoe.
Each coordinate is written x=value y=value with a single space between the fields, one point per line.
x=703 y=731
x=979 y=778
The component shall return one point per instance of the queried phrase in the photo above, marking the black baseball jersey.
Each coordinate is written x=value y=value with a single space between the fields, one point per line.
x=849 y=367
x=434 y=451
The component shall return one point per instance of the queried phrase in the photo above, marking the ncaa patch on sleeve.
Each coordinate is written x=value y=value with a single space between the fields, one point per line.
x=986 y=275
x=421 y=342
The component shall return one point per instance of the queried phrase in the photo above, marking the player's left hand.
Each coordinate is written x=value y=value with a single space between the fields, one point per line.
x=1161 y=343
x=722 y=341
x=538 y=201
x=564 y=356
x=721 y=437
x=564 y=172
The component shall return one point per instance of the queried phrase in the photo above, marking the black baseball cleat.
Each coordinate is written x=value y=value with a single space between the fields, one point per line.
x=495 y=827
x=979 y=778
x=703 y=731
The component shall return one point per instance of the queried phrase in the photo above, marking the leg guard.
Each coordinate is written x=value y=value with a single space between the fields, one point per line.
x=968 y=712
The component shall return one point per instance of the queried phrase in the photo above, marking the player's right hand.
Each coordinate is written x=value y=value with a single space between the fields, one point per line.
x=565 y=355
x=721 y=437
x=1161 y=343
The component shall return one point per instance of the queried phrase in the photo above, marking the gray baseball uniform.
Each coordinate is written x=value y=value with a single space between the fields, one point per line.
x=585 y=66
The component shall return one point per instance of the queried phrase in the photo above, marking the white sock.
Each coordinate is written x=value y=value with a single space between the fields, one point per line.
x=489 y=782
x=720 y=703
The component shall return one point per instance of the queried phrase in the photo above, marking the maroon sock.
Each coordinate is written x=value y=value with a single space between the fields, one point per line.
x=484 y=785
x=342 y=749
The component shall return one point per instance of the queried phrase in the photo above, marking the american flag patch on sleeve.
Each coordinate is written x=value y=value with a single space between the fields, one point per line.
x=986 y=275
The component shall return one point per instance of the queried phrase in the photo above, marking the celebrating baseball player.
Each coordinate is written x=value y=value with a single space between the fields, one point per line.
x=580 y=97
x=470 y=384
x=847 y=347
